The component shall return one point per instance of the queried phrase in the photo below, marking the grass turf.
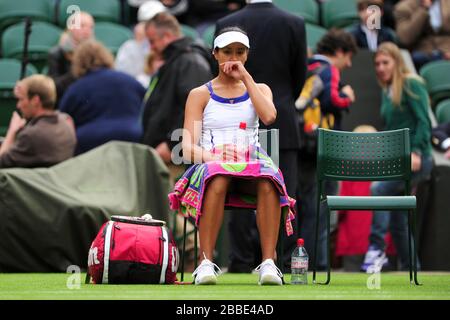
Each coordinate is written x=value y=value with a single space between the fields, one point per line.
x=343 y=286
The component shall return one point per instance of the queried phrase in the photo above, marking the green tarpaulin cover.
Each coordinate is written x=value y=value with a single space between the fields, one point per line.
x=49 y=216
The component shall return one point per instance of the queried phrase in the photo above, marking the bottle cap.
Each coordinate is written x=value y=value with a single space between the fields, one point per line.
x=300 y=242
x=243 y=125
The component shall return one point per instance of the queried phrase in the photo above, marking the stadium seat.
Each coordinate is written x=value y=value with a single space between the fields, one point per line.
x=313 y=34
x=269 y=140
x=43 y=37
x=437 y=78
x=101 y=10
x=112 y=35
x=9 y=74
x=339 y=13
x=308 y=9
x=44 y=70
x=352 y=156
x=14 y=11
x=208 y=35
x=190 y=32
x=443 y=111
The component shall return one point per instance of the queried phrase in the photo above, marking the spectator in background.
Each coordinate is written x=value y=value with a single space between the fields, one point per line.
x=388 y=13
x=278 y=59
x=441 y=138
x=178 y=8
x=43 y=137
x=423 y=26
x=370 y=32
x=105 y=104
x=204 y=13
x=405 y=104
x=166 y=96
x=133 y=8
x=60 y=57
x=132 y=55
x=334 y=53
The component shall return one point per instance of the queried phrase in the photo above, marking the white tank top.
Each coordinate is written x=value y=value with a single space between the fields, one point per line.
x=221 y=119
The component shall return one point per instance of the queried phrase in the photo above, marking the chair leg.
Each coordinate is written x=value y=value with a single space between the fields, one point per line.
x=316 y=235
x=174 y=224
x=410 y=255
x=328 y=245
x=195 y=247
x=280 y=248
x=414 y=244
x=184 y=248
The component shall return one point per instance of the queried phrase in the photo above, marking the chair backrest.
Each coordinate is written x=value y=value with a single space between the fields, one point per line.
x=13 y=11
x=190 y=32
x=208 y=35
x=9 y=74
x=437 y=77
x=339 y=13
x=443 y=111
x=383 y=155
x=112 y=35
x=101 y=10
x=43 y=37
x=313 y=35
x=308 y=9
x=269 y=141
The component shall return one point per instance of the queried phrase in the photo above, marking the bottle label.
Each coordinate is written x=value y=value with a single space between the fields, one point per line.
x=299 y=263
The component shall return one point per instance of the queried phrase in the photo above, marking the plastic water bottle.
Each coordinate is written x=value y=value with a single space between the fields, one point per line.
x=299 y=264
x=242 y=142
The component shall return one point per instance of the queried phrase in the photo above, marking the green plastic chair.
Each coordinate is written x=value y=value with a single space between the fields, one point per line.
x=43 y=37
x=9 y=74
x=112 y=35
x=44 y=70
x=378 y=156
x=437 y=78
x=101 y=10
x=313 y=35
x=14 y=11
x=269 y=140
x=443 y=111
x=208 y=36
x=339 y=13
x=190 y=32
x=308 y=9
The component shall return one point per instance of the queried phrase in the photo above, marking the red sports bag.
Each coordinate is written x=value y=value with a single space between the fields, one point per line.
x=133 y=250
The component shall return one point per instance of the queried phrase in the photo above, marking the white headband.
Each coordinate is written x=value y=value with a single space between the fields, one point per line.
x=230 y=37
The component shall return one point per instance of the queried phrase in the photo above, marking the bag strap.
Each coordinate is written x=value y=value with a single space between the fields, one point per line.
x=165 y=257
x=107 y=251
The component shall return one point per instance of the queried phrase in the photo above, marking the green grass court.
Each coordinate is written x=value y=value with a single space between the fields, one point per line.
x=343 y=286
